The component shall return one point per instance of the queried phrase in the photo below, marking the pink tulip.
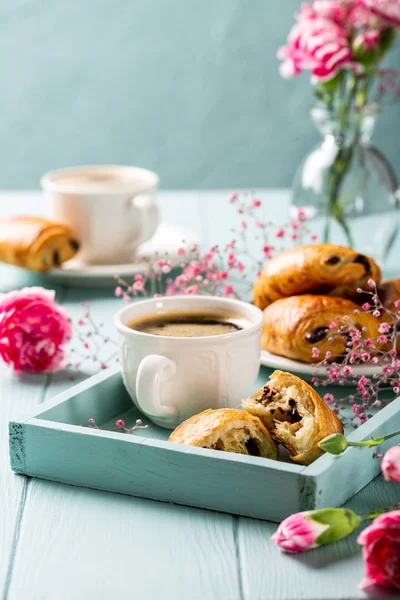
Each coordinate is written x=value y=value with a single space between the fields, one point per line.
x=381 y=551
x=391 y=464
x=33 y=331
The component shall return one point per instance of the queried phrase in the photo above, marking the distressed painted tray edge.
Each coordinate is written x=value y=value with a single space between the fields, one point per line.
x=159 y=470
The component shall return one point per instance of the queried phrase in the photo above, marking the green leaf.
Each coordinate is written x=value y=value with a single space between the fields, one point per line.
x=386 y=37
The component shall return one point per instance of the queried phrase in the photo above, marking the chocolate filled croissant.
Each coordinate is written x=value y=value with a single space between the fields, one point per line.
x=226 y=429
x=294 y=414
x=294 y=326
x=315 y=269
x=35 y=243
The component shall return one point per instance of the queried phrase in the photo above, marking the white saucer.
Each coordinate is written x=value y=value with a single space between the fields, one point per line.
x=167 y=240
x=299 y=368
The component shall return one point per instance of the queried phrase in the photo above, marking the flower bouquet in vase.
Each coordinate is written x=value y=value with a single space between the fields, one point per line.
x=346 y=183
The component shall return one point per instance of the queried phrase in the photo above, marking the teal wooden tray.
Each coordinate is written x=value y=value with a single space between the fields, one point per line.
x=53 y=444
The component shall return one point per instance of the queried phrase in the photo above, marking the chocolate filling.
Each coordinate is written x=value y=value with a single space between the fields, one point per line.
x=252 y=447
x=333 y=260
x=56 y=257
x=363 y=260
x=317 y=335
x=74 y=245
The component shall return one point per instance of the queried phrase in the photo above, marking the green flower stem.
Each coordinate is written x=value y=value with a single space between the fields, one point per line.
x=370 y=516
x=353 y=91
x=374 y=441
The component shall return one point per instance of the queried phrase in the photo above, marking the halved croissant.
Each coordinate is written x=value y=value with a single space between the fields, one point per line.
x=316 y=269
x=294 y=326
x=226 y=429
x=294 y=414
x=35 y=243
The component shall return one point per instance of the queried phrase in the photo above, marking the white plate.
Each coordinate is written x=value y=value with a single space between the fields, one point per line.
x=299 y=368
x=166 y=240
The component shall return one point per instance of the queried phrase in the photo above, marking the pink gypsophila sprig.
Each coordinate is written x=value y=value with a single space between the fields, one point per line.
x=33 y=330
x=220 y=271
x=370 y=393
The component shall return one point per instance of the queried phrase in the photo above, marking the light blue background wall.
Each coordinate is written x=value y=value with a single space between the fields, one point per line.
x=189 y=88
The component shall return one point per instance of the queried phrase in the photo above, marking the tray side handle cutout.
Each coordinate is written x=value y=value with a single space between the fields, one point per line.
x=17 y=447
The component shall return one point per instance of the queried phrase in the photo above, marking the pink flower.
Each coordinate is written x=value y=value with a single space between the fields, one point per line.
x=397 y=303
x=91 y=421
x=316 y=44
x=333 y=325
x=298 y=533
x=381 y=551
x=371 y=282
x=305 y=530
x=384 y=328
x=120 y=423
x=328 y=398
x=256 y=202
x=228 y=289
x=389 y=10
x=366 y=306
x=280 y=233
x=315 y=352
x=382 y=339
x=181 y=251
x=33 y=331
x=314 y=237
x=233 y=197
x=118 y=291
x=268 y=250
x=138 y=286
x=376 y=313
x=391 y=464
x=301 y=214
x=368 y=40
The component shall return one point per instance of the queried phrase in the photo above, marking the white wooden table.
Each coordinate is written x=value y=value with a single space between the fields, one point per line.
x=61 y=542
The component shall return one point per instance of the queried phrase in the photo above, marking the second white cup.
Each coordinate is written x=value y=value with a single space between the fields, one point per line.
x=111 y=209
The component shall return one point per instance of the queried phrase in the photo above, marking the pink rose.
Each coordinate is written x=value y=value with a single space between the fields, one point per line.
x=318 y=45
x=381 y=551
x=33 y=331
x=390 y=464
x=389 y=10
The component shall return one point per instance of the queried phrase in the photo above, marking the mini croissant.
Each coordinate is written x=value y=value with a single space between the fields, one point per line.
x=294 y=326
x=35 y=243
x=294 y=414
x=226 y=429
x=315 y=269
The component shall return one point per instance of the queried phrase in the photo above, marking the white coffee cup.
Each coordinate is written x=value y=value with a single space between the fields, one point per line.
x=111 y=209
x=172 y=378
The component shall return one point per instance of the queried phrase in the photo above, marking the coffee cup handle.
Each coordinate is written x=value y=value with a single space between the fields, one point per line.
x=146 y=205
x=154 y=370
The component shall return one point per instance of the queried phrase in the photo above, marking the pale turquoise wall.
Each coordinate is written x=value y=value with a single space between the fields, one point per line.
x=189 y=88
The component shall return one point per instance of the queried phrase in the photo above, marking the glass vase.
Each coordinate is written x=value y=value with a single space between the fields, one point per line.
x=346 y=187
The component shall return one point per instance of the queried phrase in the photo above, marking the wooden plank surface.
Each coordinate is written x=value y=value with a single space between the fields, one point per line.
x=64 y=542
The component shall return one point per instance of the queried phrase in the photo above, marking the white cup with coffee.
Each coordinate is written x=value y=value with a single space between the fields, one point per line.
x=111 y=209
x=181 y=355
